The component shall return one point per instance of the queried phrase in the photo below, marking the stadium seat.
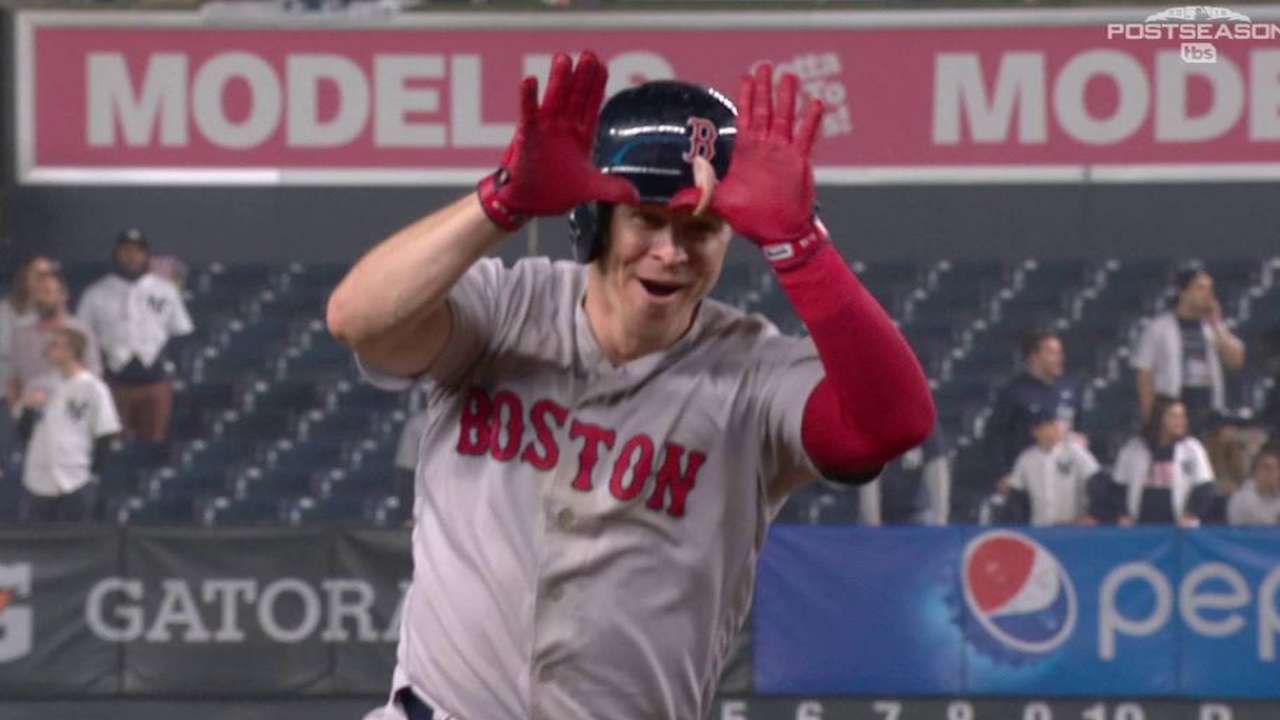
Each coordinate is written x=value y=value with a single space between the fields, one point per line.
x=224 y=511
x=308 y=511
x=135 y=510
x=386 y=512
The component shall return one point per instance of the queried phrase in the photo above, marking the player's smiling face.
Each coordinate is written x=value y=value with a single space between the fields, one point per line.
x=660 y=263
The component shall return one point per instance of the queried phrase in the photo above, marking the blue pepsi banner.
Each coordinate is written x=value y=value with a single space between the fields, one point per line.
x=1065 y=612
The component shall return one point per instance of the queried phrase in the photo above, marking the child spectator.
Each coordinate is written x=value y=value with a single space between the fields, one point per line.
x=68 y=427
x=1053 y=473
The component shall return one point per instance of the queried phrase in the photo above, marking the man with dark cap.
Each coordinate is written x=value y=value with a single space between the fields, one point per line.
x=135 y=314
x=1041 y=386
x=1182 y=351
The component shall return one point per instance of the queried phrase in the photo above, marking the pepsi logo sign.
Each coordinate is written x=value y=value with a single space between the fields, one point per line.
x=1017 y=596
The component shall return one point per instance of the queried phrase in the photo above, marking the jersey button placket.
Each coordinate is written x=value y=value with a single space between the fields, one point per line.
x=558 y=518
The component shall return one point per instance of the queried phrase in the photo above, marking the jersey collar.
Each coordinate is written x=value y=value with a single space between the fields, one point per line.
x=592 y=362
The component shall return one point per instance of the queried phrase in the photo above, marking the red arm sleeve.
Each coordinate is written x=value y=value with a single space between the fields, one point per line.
x=874 y=403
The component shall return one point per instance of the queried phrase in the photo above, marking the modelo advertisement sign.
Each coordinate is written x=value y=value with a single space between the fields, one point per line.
x=916 y=96
x=1054 y=612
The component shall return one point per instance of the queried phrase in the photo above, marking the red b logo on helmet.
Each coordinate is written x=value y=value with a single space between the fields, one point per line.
x=702 y=139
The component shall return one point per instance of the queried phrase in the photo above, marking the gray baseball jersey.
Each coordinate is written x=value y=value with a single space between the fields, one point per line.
x=586 y=536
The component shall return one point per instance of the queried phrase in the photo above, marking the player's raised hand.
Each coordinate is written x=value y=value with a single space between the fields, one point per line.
x=768 y=194
x=547 y=169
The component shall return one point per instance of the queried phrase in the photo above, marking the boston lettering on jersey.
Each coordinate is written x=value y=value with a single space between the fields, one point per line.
x=495 y=425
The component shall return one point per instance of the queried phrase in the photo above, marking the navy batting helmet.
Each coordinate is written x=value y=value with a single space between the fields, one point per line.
x=650 y=134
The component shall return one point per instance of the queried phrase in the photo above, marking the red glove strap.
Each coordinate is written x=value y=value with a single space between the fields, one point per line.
x=488 y=190
x=793 y=253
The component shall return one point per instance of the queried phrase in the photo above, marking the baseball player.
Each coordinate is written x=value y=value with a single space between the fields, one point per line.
x=606 y=446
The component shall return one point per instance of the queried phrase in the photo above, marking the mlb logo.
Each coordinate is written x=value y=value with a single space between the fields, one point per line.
x=1199 y=53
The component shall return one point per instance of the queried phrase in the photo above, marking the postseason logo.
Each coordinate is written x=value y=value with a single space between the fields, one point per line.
x=1196 y=27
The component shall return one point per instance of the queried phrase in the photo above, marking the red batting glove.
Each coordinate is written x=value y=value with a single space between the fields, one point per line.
x=768 y=194
x=547 y=168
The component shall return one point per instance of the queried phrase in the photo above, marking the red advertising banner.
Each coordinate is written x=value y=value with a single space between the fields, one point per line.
x=949 y=96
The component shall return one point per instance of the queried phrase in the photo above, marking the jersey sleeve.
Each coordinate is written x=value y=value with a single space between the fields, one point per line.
x=1021 y=468
x=1088 y=463
x=92 y=351
x=179 y=321
x=787 y=371
x=86 y=311
x=1144 y=354
x=1204 y=469
x=105 y=421
x=487 y=306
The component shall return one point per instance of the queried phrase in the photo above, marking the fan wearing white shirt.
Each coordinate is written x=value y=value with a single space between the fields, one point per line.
x=67 y=427
x=1183 y=352
x=135 y=314
x=1258 y=502
x=1164 y=470
x=1054 y=473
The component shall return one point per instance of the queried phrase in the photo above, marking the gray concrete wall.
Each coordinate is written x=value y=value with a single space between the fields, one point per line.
x=893 y=222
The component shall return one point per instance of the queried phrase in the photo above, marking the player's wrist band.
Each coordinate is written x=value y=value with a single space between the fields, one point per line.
x=497 y=210
x=793 y=253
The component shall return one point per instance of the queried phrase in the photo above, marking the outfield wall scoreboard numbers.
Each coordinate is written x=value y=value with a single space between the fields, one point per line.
x=759 y=708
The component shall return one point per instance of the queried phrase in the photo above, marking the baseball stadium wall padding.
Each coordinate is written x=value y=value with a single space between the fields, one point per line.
x=1083 y=612
x=198 y=614
x=1011 y=132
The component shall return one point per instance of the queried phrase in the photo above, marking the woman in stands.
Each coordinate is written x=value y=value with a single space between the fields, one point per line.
x=16 y=310
x=1165 y=470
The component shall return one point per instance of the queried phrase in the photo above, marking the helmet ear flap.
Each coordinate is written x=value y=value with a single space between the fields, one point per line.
x=583 y=231
x=587 y=225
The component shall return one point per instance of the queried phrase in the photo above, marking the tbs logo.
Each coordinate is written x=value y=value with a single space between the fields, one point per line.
x=1019 y=602
x=1199 y=52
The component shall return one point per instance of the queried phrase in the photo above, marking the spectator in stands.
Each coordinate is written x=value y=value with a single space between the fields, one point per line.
x=1182 y=351
x=32 y=368
x=1053 y=474
x=15 y=311
x=68 y=428
x=915 y=489
x=1040 y=387
x=1165 y=470
x=136 y=315
x=1258 y=502
x=1227 y=442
